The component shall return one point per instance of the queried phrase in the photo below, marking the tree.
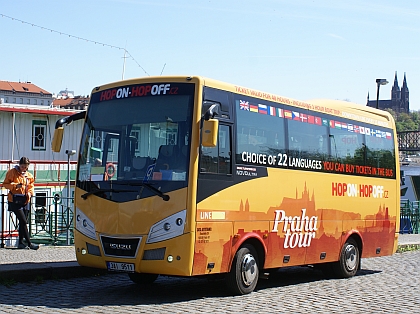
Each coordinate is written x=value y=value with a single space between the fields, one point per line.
x=406 y=121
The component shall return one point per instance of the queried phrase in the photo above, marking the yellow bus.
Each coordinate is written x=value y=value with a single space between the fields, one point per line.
x=189 y=176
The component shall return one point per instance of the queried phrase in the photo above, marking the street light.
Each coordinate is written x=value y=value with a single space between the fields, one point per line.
x=379 y=82
x=69 y=153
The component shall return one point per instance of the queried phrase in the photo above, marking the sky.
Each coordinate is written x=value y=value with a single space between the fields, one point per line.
x=302 y=49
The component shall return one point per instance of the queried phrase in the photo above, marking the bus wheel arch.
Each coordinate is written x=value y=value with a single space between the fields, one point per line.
x=356 y=236
x=359 y=241
x=349 y=259
x=246 y=267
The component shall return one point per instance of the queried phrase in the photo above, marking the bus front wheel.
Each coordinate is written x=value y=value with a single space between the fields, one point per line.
x=142 y=279
x=349 y=261
x=243 y=275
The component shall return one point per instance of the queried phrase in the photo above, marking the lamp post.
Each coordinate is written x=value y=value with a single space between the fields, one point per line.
x=378 y=83
x=69 y=153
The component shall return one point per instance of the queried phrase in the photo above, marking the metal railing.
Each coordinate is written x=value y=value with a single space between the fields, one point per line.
x=409 y=217
x=50 y=223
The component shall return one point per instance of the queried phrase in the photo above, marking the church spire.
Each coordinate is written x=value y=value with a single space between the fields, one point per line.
x=395 y=94
x=405 y=82
x=396 y=81
x=405 y=103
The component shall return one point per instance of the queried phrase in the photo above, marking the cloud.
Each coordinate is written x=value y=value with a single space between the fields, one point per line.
x=336 y=36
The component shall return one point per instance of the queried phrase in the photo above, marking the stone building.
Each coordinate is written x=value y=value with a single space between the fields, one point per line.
x=399 y=101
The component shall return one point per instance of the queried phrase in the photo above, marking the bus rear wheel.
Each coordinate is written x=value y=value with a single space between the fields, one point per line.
x=243 y=275
x=142 y=279
x=349 y=261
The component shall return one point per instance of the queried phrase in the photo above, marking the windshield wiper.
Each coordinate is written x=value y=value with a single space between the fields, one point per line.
x=159 y=193
x=85 y=196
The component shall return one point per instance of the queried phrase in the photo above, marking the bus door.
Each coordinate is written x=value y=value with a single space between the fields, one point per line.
x=214 y=231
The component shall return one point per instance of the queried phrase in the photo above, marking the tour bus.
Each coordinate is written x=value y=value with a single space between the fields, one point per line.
x=189 y=176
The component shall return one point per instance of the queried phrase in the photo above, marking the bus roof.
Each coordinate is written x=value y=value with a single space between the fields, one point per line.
x=338 y=108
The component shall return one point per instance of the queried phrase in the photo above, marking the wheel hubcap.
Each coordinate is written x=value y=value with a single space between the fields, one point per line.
x=248 y=269
x=351 y=257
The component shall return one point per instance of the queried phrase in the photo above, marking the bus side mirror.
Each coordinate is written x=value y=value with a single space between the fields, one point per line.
x=210 y=109
x=57 y=139
x=209 y=132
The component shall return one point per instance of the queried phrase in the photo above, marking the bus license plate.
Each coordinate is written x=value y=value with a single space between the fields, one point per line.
x=124 y=267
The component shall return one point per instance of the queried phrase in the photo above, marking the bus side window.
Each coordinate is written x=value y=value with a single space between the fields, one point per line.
x=218 y=159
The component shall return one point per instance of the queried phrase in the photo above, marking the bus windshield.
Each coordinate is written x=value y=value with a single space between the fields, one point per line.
x=132 y=140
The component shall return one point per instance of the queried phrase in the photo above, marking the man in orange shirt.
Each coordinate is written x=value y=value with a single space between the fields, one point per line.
x=20 y=182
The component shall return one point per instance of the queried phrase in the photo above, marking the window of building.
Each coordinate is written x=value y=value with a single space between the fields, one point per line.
x=98 y=140
x=41 y=198
x=39 y=131
x=41 y=206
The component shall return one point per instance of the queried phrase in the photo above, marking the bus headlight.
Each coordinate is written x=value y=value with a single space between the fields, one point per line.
x=167 y=228
x=85 y=225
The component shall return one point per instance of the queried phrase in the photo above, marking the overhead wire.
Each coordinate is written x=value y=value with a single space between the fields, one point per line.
x=77 y=37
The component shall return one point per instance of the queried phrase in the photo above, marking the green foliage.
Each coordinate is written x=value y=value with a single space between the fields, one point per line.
x=408 y=248
x=406 y=121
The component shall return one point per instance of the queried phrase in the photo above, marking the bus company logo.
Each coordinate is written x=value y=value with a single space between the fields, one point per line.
x=358 y=190
x=300 y=230
x=119 y=246
x=137 y=91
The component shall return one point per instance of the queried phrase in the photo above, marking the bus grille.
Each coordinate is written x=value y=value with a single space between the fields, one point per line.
x=120 y=247
x=154 y=255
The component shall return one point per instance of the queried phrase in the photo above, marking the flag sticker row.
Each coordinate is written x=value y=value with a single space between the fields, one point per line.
x=311 y=119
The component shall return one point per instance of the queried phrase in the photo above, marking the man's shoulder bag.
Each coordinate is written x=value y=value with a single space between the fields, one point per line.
x=19 y=199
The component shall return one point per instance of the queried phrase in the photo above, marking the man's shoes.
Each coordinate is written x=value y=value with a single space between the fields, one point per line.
x=34 y=246
x=22 y=246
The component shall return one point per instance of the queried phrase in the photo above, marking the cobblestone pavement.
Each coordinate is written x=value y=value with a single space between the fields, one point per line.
x=385 y=284
x=50 y=254
x=44 y=254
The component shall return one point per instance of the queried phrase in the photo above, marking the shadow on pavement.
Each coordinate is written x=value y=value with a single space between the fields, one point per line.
x=119 y=290
x=300 y=275
x=26 y=272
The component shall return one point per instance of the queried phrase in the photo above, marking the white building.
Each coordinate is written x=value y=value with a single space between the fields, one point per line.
x=27 y=124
